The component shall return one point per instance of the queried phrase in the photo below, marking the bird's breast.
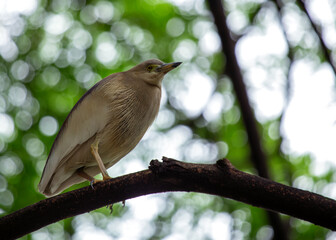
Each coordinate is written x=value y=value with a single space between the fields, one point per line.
x=130 y=115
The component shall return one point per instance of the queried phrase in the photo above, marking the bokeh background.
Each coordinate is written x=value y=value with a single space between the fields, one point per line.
x=51 y=52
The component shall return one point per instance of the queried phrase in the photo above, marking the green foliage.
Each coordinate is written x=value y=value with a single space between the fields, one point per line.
x=67 y=46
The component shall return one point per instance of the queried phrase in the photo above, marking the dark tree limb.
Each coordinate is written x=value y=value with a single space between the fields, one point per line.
x=232 y=69
x=325 y=50
x=220 y=179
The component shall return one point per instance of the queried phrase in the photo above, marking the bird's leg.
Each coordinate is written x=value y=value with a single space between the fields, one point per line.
x=83 y=174
x=94 y=151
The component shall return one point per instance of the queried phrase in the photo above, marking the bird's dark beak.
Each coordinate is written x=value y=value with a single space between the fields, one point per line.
x=168 y=67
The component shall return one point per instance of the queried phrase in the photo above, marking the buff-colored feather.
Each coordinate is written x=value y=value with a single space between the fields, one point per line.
x=117 y=111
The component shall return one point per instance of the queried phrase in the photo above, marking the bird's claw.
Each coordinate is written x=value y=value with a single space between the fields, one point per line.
x=110 y=206
x=94 y=181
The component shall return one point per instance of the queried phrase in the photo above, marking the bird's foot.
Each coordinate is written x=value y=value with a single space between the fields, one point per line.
x=94 y=181
x=110 y=206
x=106 y=177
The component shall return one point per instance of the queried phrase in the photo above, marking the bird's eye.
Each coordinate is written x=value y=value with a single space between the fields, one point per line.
x=150 y=68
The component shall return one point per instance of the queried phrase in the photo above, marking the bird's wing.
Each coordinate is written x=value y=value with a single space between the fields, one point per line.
x=87 y=118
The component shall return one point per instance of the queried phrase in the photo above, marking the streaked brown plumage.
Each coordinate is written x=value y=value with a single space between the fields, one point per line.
x=110 y=119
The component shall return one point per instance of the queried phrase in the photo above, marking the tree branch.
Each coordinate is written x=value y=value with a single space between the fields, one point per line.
x=220 y=179
x=325 y=50
x=232 y=69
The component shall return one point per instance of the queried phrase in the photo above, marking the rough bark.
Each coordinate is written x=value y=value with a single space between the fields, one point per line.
x=220 y=179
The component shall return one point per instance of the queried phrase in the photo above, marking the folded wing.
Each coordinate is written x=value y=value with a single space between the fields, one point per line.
x=86 y=119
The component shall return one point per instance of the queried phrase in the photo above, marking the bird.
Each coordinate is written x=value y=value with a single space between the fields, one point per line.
x=106 y=123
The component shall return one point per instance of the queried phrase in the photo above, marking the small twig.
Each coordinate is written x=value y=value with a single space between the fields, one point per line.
x=325 y=50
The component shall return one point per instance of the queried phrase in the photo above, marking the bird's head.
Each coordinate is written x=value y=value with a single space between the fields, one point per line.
x=152 y=71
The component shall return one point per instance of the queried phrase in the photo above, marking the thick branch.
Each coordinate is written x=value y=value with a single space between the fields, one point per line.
x=220 y=179
x=233 y=71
